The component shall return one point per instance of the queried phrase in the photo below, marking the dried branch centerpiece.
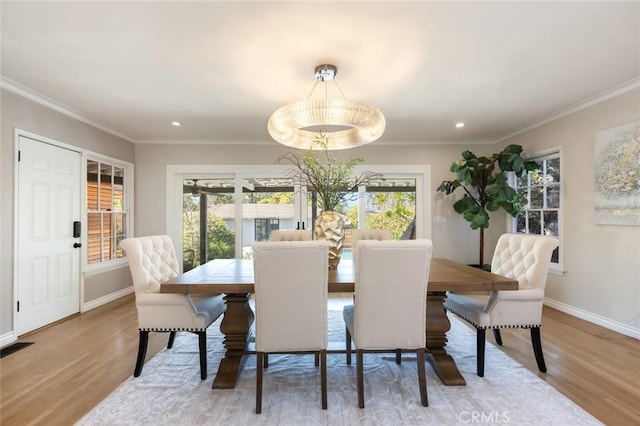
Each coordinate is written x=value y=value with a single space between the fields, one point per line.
x=332 y=182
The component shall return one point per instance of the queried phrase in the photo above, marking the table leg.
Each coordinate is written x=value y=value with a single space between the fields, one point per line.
x=235 y=326
x=437 y=326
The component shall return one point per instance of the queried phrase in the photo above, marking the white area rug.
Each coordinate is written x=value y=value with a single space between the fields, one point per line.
x=170 y=392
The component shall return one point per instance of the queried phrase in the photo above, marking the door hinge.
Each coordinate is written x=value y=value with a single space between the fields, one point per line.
x=18 y=307
x=19 y=156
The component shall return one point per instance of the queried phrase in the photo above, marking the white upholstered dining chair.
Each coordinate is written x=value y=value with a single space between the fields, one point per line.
x=152 y=261
x=389 y=310
x=290 y=290
x=525 y=258
x=291 y=235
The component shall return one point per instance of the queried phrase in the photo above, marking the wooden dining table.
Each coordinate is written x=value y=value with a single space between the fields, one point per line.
x=234 y=278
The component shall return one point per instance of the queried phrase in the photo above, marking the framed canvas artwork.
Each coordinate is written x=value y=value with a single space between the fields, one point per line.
x=617 y=175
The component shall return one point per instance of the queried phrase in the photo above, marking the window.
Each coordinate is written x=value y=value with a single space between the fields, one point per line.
x=268 y=203
x=391 y=204
x=208 y=221
x=263 y=228
x=540 y=201
x=210 y=227
x=106 y=213
x=264 y=192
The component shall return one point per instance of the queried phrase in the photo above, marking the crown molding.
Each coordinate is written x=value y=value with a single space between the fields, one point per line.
x=266 y=142
x=203 y=142
x=43 y=100
x=584 y=104
x=435 y=143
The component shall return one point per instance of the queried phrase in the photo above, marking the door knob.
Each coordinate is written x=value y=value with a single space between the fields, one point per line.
x=77 y=245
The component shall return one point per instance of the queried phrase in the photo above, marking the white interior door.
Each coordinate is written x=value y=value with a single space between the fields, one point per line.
x=48 y=272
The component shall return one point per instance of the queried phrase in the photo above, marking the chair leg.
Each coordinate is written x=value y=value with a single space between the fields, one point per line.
x=202 y=343
x=142 y=352
x=348 y=346
x=259 y=365
x=172 y=338
x=422 y=378
x=323 y=377
x=317 y=359
x=537 y=348
x=496 y=334
x=398 y=356
x=360 y=377
x=266 y=360
x=480 y=338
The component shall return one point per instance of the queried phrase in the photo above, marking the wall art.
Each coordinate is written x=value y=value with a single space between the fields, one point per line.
x=617 y=175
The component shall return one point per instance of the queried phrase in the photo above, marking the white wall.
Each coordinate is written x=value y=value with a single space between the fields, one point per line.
x=602 y=262
x=21 y=113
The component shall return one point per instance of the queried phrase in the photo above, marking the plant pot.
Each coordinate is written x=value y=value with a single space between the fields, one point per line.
x=330 y=227
x=486 y=266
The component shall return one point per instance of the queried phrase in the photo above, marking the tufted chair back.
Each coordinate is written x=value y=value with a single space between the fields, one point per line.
x=152 y=261
x=367 y=234
x=524 y=258
x=291 y=235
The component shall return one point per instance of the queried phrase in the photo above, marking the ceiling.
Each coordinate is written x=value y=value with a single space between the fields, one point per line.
x=221 y=68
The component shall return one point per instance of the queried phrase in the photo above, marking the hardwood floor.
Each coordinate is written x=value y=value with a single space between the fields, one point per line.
x=595 y=367
x=72 y=365
x=76 y=363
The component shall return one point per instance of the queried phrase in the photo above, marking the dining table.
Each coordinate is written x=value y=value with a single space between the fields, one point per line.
x=235 y=279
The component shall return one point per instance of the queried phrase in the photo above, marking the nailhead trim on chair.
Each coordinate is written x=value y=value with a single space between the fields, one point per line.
x=173 y=329
x=485 y=328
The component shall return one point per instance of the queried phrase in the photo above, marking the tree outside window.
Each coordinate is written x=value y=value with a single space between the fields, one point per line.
x=539 y=192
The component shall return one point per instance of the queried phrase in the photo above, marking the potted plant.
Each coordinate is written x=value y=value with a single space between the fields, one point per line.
x=486 y=187
x=331 y=181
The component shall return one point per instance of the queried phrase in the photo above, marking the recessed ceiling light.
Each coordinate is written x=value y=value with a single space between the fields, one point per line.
x=459 y=124
x=176 y=123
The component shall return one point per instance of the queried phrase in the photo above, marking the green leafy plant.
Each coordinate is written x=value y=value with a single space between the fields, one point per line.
x=486 y=187
x=332 y=180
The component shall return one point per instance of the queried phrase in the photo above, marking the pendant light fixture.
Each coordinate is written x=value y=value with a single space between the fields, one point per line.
x=345 y=123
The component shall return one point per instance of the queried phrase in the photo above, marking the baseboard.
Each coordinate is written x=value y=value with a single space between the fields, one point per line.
x=106 y=299
x=7 y=338
x=608 y=323
x=11 y=336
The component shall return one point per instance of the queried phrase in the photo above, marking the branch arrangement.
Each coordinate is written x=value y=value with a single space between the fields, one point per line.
x=333 y=181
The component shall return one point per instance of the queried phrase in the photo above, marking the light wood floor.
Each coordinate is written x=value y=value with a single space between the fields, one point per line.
x=77 y=362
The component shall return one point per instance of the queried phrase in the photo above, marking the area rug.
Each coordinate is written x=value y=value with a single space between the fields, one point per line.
x=170 y=392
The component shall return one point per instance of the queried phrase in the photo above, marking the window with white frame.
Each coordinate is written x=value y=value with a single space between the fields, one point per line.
x=107 y=195
x=540 y=201
x=414 y=179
